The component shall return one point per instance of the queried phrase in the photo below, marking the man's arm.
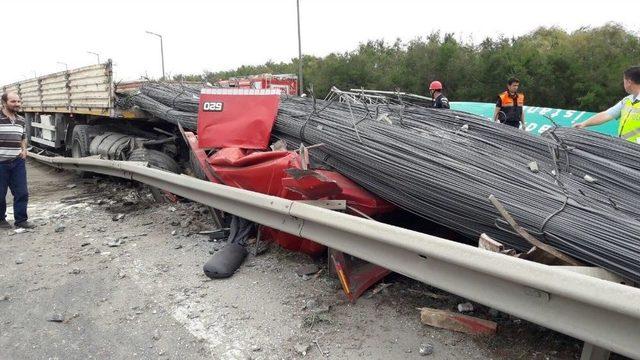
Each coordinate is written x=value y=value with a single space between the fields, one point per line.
x=23 y=145
x=444 y=102
x=495 y=114
x=524 y=124
x=497 y=110
x=597 y=119
x=602 y=117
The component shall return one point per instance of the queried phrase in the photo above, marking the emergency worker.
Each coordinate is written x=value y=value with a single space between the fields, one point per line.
x=439 y=100
x=510 y=105
x=627 y=109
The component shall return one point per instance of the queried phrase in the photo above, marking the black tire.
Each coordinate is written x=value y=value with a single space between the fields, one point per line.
x=157 y=160
x=80 y=145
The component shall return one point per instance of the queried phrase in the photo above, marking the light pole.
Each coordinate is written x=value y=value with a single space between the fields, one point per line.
x=65 y=65
x=96 y=54
x=300 y=82
x=161 y=50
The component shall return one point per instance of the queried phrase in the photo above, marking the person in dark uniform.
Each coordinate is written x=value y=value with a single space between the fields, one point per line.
x=510 y=106
x=439 y=101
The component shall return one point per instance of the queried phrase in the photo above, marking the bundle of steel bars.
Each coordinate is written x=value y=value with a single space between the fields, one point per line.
x=443 y=165
x=175 y=103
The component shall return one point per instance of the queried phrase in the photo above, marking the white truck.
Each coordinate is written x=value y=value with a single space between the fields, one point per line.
x=76 y=113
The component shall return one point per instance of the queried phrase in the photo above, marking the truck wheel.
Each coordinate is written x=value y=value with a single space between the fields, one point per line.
x=157 y=160
x=80 y=145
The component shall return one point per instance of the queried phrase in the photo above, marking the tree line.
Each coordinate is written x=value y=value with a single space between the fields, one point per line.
x=574 y=70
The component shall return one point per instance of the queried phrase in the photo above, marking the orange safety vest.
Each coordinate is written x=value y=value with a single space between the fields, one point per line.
x=511 y=107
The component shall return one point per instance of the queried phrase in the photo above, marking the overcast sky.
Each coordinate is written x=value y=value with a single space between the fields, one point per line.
x=223 y=34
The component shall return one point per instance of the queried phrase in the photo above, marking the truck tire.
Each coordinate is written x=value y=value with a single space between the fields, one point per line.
x=80 y=145
x=157 y=160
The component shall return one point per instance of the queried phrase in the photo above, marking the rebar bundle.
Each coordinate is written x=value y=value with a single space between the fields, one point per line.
x=188 y=120
x=177 y=96
x=443 y=165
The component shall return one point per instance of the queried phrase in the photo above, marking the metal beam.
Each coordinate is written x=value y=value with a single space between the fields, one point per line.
x=602 y=313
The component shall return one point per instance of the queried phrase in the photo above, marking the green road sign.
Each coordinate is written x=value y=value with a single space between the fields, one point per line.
x=535 y=118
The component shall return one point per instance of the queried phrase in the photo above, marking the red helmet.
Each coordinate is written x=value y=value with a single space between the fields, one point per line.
x=435 y=85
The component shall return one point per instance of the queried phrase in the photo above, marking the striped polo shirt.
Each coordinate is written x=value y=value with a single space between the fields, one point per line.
x=11 y=136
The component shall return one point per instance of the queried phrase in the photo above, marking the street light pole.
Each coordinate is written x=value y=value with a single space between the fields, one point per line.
x=65 y=65
x=161 y=50
x=300 y=82
x=96 y=54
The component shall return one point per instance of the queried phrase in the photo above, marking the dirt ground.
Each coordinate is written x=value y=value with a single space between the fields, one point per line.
x=109 y=274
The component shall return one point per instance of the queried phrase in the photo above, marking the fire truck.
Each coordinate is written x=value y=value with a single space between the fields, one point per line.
x=288 y=83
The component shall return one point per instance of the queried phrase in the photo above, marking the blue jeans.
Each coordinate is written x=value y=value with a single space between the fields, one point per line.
x=13 y=175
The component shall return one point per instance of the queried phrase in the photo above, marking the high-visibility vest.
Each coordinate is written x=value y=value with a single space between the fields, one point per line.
x=512 y=109
x=629 y=128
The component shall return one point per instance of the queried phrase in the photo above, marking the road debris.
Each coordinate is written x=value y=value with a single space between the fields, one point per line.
x=115 y=243
x=217 y=234
x=308 y=269
x=465 y=307
x=302 y=349
x=56 y=318
x=319 y=348
x=457 y=322
x=379 y=288
x=429 y=294
x=425 y=349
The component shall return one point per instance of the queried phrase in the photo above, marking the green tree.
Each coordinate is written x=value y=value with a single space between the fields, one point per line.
x=580 y=70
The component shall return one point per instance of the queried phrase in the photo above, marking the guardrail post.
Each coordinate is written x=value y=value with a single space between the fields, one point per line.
x=592 y=352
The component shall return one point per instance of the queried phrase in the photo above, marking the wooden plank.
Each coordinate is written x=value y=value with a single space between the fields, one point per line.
x=457 y=322
x=488 y=243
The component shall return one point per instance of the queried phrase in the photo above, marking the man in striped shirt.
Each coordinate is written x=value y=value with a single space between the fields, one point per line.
x=13 y=152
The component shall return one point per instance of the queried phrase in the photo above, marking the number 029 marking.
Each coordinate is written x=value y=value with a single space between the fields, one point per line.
x=212 y=106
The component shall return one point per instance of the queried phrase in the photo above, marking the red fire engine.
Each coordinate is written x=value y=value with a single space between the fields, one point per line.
x=287 y=83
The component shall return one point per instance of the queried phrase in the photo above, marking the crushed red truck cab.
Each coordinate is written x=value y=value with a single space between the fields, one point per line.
x=237 y=124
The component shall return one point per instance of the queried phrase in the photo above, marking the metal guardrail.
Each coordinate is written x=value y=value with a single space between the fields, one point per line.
x=600 y=312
